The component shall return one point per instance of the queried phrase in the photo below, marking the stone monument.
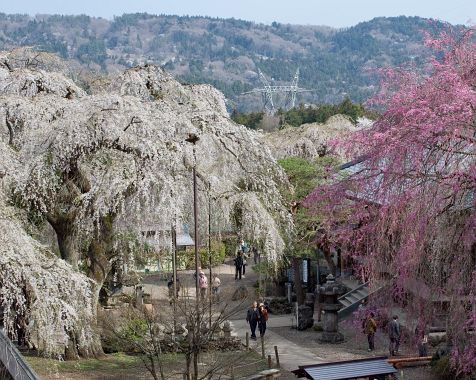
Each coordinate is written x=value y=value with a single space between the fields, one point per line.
x=227 y=329
x=330 y=292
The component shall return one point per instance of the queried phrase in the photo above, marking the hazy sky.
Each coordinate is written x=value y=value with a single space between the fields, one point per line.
x=335 y=13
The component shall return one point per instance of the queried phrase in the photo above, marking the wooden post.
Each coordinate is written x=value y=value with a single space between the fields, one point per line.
x=232 y=373
x=277 y=356
x=270 y=362
x=297 y=316
x=262 y=348
x=247 y=341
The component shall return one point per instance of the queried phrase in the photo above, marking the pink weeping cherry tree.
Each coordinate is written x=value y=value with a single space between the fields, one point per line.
x=405 y=210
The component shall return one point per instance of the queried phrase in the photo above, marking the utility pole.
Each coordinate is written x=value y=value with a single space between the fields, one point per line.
x=193 y=138
x=210 y=253
x=174 y=275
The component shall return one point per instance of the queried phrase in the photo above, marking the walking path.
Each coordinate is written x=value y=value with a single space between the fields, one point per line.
x=295 y=348
x=290 y=354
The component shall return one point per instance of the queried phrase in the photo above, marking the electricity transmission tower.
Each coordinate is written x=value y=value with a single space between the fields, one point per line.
x=268 y=93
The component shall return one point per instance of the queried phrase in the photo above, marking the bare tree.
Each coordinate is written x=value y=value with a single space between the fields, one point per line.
x=151 y=332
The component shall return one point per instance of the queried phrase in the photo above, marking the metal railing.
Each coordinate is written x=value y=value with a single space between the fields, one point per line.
x=13 y=361
x=361 y=286
x=345 y=311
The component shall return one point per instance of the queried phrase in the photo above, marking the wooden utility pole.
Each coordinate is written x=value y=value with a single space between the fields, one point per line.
x=174 y=275
x=210 y=253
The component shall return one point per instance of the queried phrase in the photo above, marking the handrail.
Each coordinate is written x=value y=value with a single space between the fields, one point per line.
x=13 y=361
x=350 y=308
x=354 y=290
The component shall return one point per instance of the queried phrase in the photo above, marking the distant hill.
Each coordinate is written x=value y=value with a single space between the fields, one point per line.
x=227 y=52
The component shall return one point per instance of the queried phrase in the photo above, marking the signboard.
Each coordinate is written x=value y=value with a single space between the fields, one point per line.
x=305 y=270
x=290 y=274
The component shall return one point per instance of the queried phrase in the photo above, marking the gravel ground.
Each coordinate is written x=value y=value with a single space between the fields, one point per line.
x=354 y=347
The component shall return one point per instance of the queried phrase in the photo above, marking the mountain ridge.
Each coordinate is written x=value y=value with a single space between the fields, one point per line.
x=227 y=53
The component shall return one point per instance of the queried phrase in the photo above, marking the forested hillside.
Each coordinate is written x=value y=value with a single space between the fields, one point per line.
x=227 y=52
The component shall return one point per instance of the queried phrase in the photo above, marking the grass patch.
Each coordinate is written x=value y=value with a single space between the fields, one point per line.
x=110 y=363
x=123 y=366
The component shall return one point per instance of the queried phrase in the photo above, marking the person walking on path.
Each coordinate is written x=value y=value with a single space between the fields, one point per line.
x=170 y=285
x=243 y=247
x=255 y=254
x=370 y=329
x=203 y=284
x=245 y=256
x=263 y=318
x=394 y=335
x=252 y=317
x=216 y=288
x=195 y=273
x=238 y=265
x=422 y=341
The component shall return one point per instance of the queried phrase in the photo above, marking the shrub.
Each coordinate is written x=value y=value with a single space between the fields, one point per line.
x=230 y=246
x=441 y=368
x=218 y=250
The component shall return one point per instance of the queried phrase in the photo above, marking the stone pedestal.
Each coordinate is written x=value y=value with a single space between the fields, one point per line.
x=310 y=300
x=306 y=320
x=329 y=293
x=227 y=329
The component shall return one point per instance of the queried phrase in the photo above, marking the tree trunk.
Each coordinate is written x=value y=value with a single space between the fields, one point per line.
x=66 y=240
x=298 y=281
x=62 y=219
x=195 y=364
x=75 y=349
x=188 y=361
x=329 y=260
x=67 y=249
x=99 y=254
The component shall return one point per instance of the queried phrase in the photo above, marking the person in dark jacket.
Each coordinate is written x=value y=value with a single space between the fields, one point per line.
x=245 y=256
x=263 y=317
x=170 y=285
x=253 y=317
x=238 y=265
x=394 y=335
x=254 y=250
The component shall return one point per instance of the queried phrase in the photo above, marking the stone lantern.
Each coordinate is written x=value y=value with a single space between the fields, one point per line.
x=330 y=292
x=227 y=329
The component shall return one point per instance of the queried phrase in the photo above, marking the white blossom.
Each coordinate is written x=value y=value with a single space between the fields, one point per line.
x=120 y=150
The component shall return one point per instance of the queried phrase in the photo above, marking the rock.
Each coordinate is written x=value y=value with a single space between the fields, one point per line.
x=280 y=305
x=333 y=337
x=310 y=299
x=436 y=338
x=226 y=344
x=306 y=319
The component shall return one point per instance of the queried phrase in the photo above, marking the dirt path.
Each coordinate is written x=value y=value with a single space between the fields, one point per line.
x=295 y=347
